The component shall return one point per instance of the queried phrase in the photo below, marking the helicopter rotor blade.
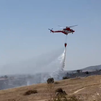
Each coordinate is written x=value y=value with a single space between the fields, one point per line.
x=73 y=26
x=67 y=26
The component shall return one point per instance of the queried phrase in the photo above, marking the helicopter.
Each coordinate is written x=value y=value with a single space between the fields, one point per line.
x=65 y=30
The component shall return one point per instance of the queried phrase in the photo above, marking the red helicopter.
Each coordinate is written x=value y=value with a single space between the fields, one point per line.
x=65 y=30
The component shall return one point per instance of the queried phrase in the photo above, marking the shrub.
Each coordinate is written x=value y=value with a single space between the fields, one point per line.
x=56 y=82
x=30 y=92
x=68 y=98
x=73 y=98
x=60 y=95
x=60 y=92
x=65 y=77
x=86 y=72
x=50 y=80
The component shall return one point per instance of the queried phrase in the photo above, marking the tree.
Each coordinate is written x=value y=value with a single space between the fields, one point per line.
x=79 y=71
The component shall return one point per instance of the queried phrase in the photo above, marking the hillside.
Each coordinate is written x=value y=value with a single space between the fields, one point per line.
x=89 y=68
x=92 y=68
x=87 y=88
x=11 y=81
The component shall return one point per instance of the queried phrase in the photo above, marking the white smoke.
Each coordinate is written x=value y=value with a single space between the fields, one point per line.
x=53 y=66
x=55 y=70
x=38 y=64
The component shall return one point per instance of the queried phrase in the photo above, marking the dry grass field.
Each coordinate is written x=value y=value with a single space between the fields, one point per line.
x=87 y=89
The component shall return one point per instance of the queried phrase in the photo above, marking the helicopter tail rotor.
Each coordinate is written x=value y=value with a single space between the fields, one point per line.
x=50 y=30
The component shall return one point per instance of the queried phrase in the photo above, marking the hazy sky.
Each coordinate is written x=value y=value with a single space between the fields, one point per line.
x=24 y=30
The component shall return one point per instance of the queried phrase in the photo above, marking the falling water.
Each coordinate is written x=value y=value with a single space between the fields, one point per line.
x=57 y=75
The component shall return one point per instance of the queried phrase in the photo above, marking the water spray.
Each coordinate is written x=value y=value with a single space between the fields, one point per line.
x=65 y=44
